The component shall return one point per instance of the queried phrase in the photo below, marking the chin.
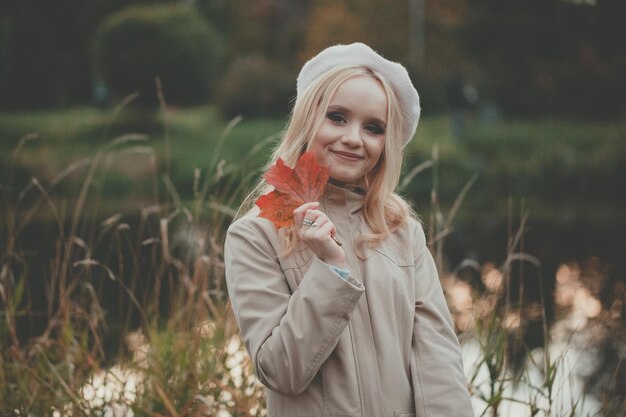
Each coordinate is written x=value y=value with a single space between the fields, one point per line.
x=348 y=179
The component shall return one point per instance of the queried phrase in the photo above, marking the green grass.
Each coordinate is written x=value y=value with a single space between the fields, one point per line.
x=550 y=164
x=542 y=162
x=70 y=132
x=48 y=142
x=554 y=166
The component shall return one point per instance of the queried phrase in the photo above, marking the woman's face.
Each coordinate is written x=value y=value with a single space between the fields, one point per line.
x=352 y=135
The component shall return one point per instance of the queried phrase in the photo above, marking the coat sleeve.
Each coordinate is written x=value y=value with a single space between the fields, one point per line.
x=439 y=383
x=288 y=336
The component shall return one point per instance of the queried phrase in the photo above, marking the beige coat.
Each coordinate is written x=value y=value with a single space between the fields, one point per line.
x=379 y=344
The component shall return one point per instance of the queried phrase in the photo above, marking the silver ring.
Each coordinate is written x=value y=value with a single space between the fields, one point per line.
x=307 y=223
x=315 y=225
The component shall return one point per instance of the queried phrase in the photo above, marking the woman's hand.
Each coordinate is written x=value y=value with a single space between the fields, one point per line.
x=315 y=229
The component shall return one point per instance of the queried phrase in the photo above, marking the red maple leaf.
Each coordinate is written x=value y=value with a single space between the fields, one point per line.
x=292 y=188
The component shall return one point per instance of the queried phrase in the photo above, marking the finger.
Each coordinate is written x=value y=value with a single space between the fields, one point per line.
x=332 y=231
x=311 y=225
x=311 y=229
x=320 y=221
x=326 y=230
x=299 y=213
x=312 y=215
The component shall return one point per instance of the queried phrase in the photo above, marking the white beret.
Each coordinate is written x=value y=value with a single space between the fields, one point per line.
x=361 y=55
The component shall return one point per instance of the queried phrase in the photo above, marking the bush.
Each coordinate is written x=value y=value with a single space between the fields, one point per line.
x=256 y=86
x=172 y=42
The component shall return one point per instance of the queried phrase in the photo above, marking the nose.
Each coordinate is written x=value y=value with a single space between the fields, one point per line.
x=352 y=135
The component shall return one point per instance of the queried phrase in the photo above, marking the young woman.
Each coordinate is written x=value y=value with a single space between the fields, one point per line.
x=359 y=328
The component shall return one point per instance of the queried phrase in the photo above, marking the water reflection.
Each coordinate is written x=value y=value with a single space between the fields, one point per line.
x=114 y=391
x=553 y=381
x=568 y=376
x=523 y=396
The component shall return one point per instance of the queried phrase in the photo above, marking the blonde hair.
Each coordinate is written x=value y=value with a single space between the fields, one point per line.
x=383 y=210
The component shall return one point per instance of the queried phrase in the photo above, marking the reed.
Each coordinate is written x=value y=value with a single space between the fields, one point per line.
x=125 y=312
x=493 y=316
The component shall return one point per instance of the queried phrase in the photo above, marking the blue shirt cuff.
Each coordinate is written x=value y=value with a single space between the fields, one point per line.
x=342 y=272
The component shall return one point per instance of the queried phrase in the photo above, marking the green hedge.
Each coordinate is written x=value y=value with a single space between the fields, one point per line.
x=172 y=42
x=255 y=86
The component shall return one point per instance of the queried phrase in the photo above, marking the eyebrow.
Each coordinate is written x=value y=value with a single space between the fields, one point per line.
x=336 y=107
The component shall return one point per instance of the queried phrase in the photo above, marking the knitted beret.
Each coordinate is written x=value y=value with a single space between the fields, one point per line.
x=360 y=55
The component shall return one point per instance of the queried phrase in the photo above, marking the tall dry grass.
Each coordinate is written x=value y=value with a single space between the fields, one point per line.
x=494 y=316
x=126 y=314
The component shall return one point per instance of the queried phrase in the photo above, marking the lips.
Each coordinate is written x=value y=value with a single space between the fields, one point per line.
x=347 y=155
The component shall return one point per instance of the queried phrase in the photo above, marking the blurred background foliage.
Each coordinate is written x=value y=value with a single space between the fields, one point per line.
x=101 y=165
x=530 y=95
x=134 y=46
x=568 y=55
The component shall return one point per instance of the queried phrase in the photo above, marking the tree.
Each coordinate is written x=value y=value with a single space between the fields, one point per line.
x=172 y=42
x=44 y=44
x=550 y=57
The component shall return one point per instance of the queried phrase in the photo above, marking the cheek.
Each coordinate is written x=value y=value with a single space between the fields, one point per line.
x=320 y=155
x=376 y=150
x=324 y=135
x=318 y=147
x=322 y=138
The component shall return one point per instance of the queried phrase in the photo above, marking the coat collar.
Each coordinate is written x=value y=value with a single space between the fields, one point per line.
x=339 y=194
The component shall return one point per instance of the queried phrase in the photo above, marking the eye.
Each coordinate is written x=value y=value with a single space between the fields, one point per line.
x=375 y=128
x=335 y=116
